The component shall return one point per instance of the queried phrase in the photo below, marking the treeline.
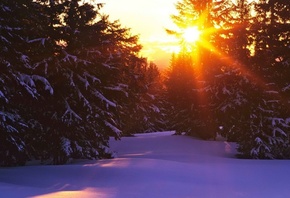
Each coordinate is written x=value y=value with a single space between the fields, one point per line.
x=69 y=79
x=236 y=79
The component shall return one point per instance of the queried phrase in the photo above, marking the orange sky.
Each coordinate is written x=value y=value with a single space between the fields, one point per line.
x=148 y=19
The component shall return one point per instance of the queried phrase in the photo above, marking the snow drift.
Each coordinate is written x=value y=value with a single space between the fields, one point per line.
x=154 y=165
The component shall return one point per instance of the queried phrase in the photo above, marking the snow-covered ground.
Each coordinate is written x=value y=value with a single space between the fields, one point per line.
x=155 y=165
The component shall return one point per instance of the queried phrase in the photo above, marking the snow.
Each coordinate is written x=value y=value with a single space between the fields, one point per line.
x=286 y=88
x=28 y=81
x=69 y=115
x=155 y=109
x=113 y=128
x=41 y=40
x=69 y=57
x=3 y=96
x=120 y=87
x=103 y=98
x=226 y=91
x=45 y=82
x=154 y=165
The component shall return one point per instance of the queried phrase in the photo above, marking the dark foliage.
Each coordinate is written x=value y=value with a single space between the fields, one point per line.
x=243 y=64
x=68 y=79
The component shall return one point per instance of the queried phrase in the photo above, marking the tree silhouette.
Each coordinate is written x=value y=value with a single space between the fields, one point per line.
x=68 y=78
x=242 y=63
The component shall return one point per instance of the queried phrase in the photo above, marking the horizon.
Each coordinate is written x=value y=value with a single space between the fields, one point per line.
x=158 y=46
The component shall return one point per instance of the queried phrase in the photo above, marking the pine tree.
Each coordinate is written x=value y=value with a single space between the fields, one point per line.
x=150 y=104
x=141 y=109
x=180 y=83
x=231 y=104
x=87 y=79
x=70 y=65
x=270 y=125
x=199 y=58
x=154 y=100
x=18 y=82
x=246 y=56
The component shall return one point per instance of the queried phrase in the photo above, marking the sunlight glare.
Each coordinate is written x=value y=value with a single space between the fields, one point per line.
x=191 y=34
x=86 y=192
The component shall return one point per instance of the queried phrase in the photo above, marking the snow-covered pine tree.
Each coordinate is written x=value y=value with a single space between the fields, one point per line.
x=71 y=69
x=201 y=61
x=180 y=82
x=232 y=80
x=245 y=84
x=81 y=115
x=142 y=109
x=97 y=77
x=264 y=134
x=18 y=82
x=270 y=125
x=154 y=119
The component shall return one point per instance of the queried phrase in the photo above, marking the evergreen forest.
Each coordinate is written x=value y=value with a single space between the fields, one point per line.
x=70 y=79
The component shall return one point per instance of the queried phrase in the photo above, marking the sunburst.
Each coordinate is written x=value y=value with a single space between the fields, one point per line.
x=191 y=34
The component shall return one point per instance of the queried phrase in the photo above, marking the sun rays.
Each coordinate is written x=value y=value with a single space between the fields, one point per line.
x=191 y=34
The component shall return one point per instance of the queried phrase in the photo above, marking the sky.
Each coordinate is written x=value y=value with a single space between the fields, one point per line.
x=148 y=19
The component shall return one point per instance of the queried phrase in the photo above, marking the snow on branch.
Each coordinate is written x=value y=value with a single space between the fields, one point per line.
x=3 y=96
x=6 y=63
x=239 y=100
x=155 y=109
x=69 y=115
x=272 y=92
x=276 y=121
x=82 y=97
x=287 y=121
x=261 y=147
x=258 y=140
x=68 y=57
x=106 y=65
x=20 y=144
x=73 y=59
x=25 y=60
x=6 y=118
x=77 y=146
x=273 y=101
x=27 y=82
x=225 y=107
x=84 y=80
x=286 y=88
x=151 y=96
x=119 y=87
x=47 y=85
x=4 y=39
x=43 y=62
x=66 y=146
x=226 y=91
x=94 y=52
x=278 y=130
x=280 y=122
x=95 y=79
x=265 y=110
x=41 y=40
x=5 y=9
x=114 y=129
x=103 y=98
x=72 y=83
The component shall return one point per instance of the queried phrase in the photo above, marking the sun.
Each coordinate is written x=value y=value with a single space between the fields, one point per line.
x=191 y=34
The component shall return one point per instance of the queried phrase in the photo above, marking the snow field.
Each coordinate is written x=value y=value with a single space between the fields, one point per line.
x=159 y=165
